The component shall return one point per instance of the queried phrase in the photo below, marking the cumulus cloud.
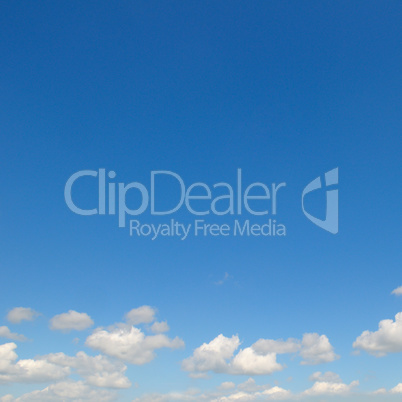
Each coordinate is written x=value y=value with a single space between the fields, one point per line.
x=66 y=391
x=316 y=349
x=6 y=333
x=313 y=348
x=212 y=356
x=120 y=342
x=96 y=370
x=329 y=388
x=129 y=343
x=72 y=320
x=218 y=356
x=397 y=291
x=328 y=384
x=27 y=370
x=140 y=315
x=18 y=314
x=249 y=362
x=259 y=359
x=388 y=338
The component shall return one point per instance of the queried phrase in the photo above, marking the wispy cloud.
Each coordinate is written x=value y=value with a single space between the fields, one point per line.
x=225 y=278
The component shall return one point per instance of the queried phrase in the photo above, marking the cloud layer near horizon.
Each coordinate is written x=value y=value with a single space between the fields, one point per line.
x=82 y=376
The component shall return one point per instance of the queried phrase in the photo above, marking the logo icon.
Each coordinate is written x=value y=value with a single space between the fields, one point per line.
x=330 y=223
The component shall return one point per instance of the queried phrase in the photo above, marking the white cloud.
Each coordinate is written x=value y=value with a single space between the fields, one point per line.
x=140 y=315
x=98 y=370
x=160 y=327
x=248 y=362
x=28 y=370
x=129 y=343
x=71 y=321
x=397 y=291
x=316 y=349
x=122 y=341
x=329 y=376
x=6 y=333
x=259 y=359
x=212 y=356
x=218 y=356
x=383 y=391
x=313 y=348
x=275 y=393
x=328 y=383
x=226 y=392
x=68 y=391
x=388 y=338
x=18 y=314
x=330 y=388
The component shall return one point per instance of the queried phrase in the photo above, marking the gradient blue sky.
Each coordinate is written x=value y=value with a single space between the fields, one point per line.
x=284 y=90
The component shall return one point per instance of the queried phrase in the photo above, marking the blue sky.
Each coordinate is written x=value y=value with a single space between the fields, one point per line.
x=283 y=90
